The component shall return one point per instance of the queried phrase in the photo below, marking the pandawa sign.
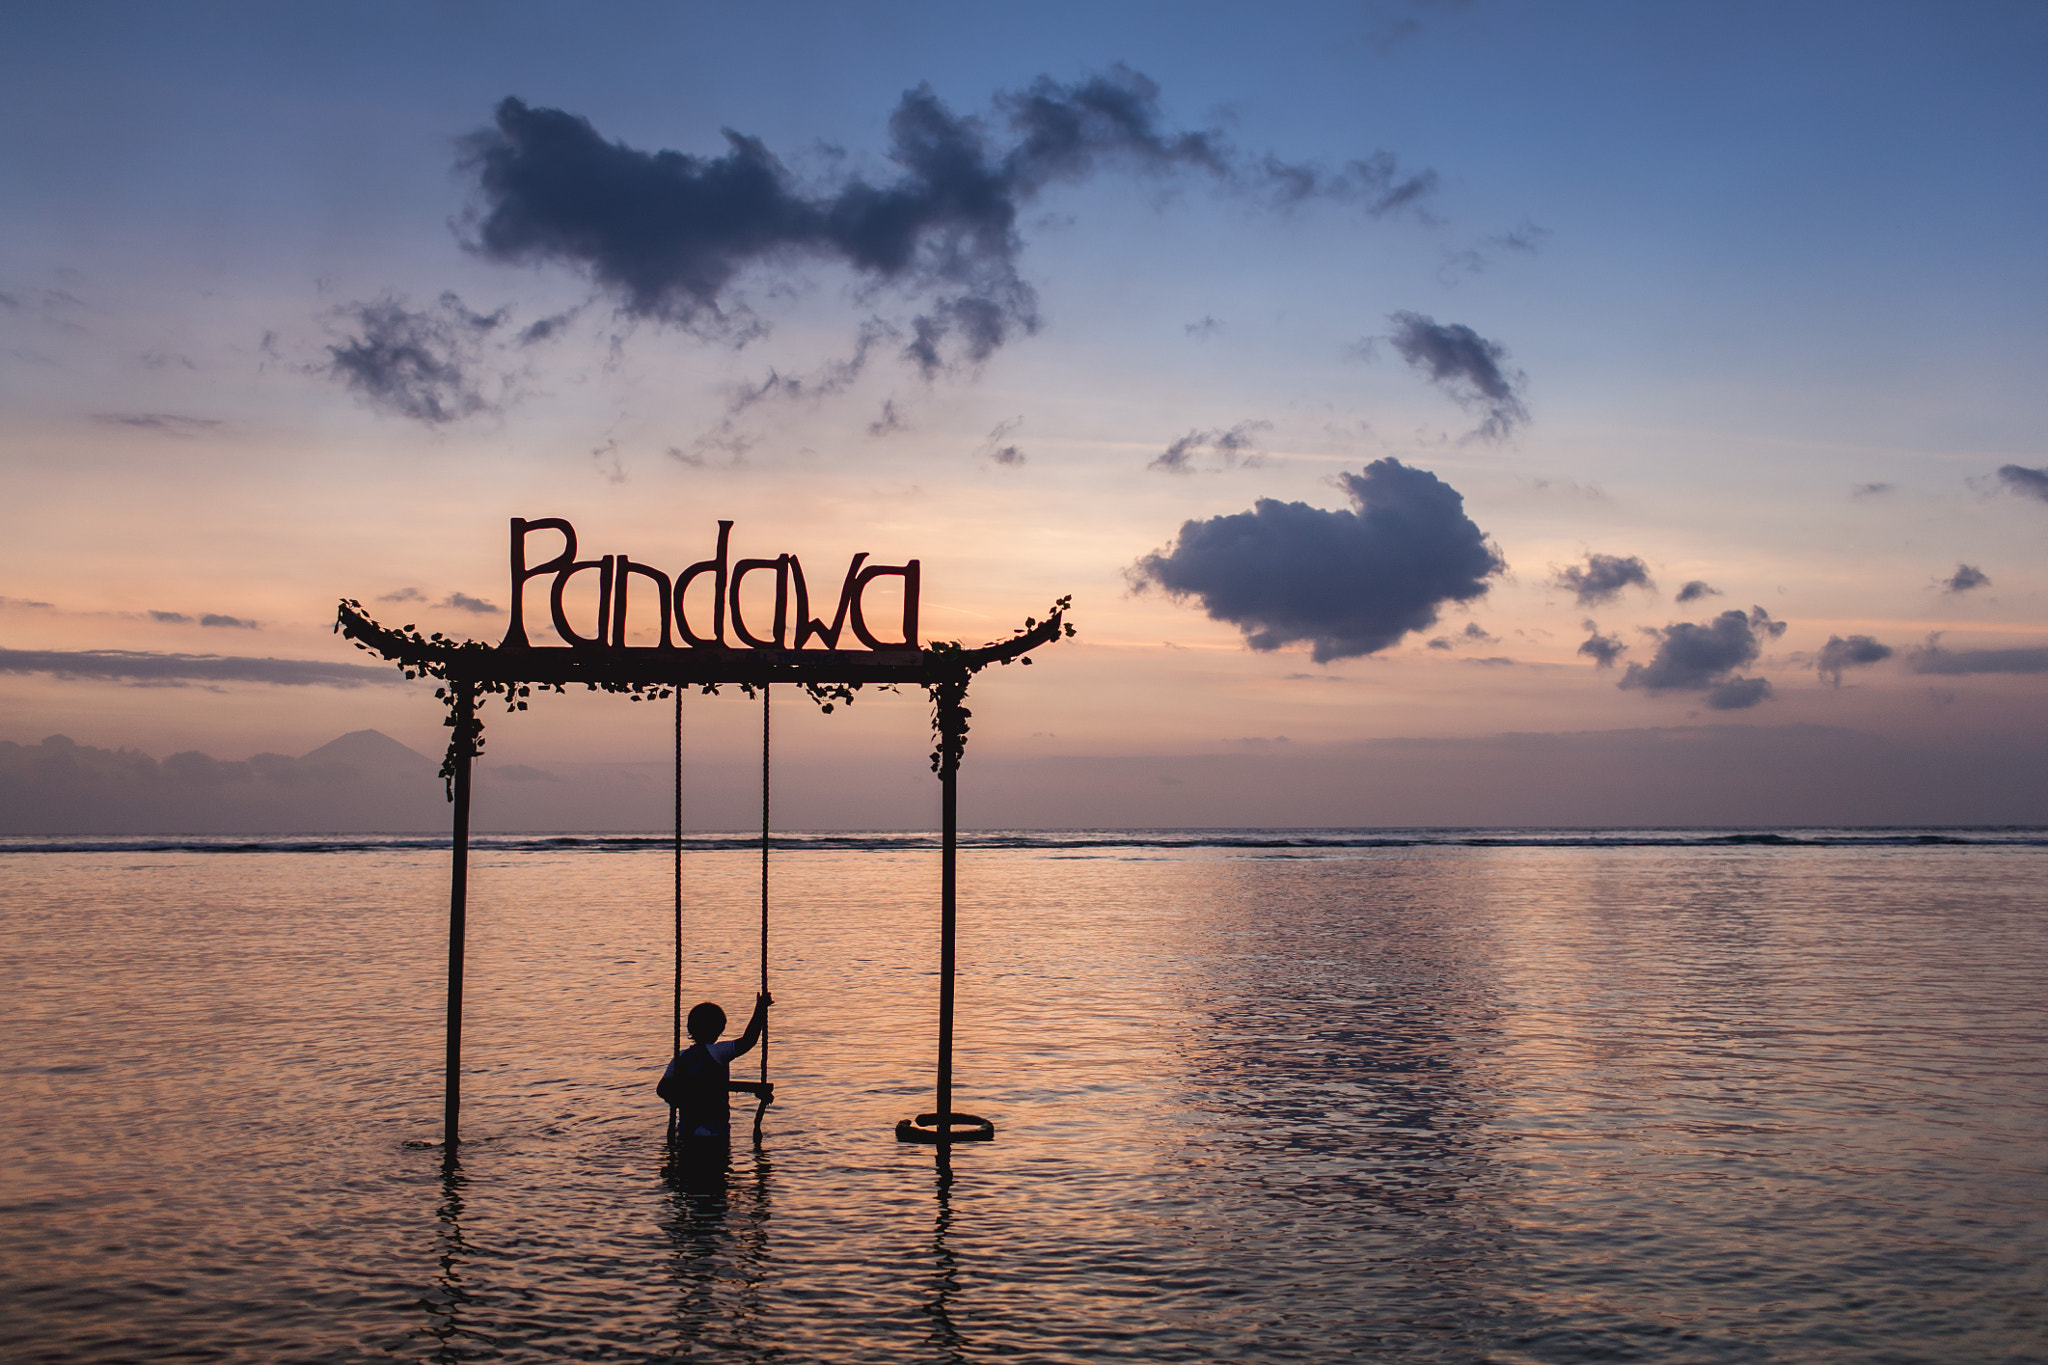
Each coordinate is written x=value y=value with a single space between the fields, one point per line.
x=701 y=607
x=706 y=639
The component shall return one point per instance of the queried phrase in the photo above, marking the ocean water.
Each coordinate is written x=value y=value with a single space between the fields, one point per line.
x=1500 y=1096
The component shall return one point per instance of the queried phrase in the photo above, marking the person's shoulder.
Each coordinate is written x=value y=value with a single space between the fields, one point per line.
x=725 y=1049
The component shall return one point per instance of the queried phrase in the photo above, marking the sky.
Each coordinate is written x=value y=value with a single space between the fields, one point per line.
x=1438 y=412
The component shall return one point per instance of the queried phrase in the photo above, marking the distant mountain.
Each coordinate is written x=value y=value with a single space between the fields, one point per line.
x=370 y=751
x=360 y=783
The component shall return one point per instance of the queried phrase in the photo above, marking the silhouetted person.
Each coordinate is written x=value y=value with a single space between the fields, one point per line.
x=695 y=1081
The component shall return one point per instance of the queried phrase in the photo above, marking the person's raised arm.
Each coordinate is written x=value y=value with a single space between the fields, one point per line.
x=755 y=1024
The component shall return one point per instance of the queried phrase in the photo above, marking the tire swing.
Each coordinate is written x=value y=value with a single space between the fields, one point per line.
x=762 y=1090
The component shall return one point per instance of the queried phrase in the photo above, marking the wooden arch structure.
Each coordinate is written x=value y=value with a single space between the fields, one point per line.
x=471 y=672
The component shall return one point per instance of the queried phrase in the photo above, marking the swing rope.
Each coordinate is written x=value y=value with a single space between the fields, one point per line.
x=764 y=1092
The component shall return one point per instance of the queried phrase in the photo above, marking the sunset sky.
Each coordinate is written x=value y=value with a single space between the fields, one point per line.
x=1726 y=322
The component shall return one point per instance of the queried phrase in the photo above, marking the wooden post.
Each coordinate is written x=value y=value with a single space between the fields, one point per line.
x=948 y=830
x=675 y=1041
x=458 y=915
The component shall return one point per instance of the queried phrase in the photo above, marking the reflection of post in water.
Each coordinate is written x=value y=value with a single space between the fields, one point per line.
x=443 y=1304
x=945 y=1268
x=718 y=1235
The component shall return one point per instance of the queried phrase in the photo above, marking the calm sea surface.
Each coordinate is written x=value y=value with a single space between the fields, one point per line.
x=1502 y=1097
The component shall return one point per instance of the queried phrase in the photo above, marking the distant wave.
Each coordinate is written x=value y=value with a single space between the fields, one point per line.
x=1251 y=841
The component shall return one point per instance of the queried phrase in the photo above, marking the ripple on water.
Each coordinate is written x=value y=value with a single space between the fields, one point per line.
x=1697 y=1100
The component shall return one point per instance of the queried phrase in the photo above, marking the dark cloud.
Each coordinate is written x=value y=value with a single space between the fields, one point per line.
x=1204 y=329
x=1966 y=577
x=462 y=601
x=1238 y=445
x=170 y=424
x=169 y=617
x=1840 y=653
x=1871 y=490
x=421 y=364
x=1695 y=590
x=1934 y=659
x=1602 y=577
x=1466 y=366
x=1351 y=582
x=137 y=666
x=25 y=602
x=1440 y=642
x=2020 y=479
x=1603 y=650
x=1738 y=694
x=670 y=234
x=214 y=618
x=1701 y=657
x=547 y=329
x=999 y=448
x=404 y=595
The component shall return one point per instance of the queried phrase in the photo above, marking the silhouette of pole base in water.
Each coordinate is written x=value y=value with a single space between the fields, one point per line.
x=962 y=1128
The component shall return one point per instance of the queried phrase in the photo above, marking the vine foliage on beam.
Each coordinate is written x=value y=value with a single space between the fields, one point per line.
x=945 y=669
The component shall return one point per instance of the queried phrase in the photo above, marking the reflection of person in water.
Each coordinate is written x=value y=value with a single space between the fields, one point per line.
x=695 y=1081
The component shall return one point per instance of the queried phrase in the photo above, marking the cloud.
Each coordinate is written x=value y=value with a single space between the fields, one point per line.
x=1603 y=650
x=2031 y=482
x=889 y=421
x=420 y=365
x=1472 y=634
x=1204 y=329
x=214 y=618
x=25 y=602
x=169 y=618
x=997 y=448
x=1701 y=658
x=548 y=328
x=404 y=595
x=1966 y=577
x=1738 y=694
x=1602 y=577
x=1872 y=490
x=1525 y=238
x=170 y=424
x=1237 y=446
x=1855 y=651
x=725 y=438
x=671 y=235
x=462 y=601
x=1466 y=366
x=1351 y=582
x=833 y=377
x=1695 y=590
x=137 y=666
x=1934 y=659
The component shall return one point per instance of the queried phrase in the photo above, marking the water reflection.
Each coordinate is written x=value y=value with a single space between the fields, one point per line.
x=1344 y=1073
x=720 y=1201
x=445 y=1302
x=945 y=1277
